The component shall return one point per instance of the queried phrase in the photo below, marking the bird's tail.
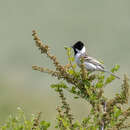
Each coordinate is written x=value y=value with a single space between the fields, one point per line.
x=112 y=74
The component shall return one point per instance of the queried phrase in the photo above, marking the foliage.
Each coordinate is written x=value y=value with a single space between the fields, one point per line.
x=105 y=114
x=20 y=122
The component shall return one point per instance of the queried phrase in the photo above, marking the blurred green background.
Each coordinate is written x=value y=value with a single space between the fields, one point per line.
x=103 y=25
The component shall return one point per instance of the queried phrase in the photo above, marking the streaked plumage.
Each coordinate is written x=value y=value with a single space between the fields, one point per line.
x=90 y=63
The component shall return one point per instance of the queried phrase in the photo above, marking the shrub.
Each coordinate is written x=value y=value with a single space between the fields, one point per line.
x=20 y=122
x=105 y=113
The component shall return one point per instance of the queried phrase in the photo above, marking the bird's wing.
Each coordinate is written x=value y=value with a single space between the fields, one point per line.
x=93 y=61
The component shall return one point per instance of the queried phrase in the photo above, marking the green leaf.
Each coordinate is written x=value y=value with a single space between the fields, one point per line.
x=87 y=83
x=99 y=85
x=109 y=79
x=76 y=125
x=71 y=59
x=74 y=66
x=73 y=89
x=86 y=120
x=44 y=125
x=71 y=72
x=115 y=68
x=76 y=97
x=65 y=47
x=117 y=112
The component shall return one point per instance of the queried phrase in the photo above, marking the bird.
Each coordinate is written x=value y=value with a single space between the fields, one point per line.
x=90 y=63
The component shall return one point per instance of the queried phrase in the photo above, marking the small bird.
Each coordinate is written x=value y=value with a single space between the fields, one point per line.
x=90 y=63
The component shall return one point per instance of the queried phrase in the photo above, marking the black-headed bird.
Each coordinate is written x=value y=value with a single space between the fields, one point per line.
x=90 y=63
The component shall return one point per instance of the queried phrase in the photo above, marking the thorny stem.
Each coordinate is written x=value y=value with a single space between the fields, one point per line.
x=103 y=107
x=66 y=107
x=70 y=61
x=36 y=121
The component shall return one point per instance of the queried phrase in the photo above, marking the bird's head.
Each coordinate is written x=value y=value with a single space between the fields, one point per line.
x=79 y=47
